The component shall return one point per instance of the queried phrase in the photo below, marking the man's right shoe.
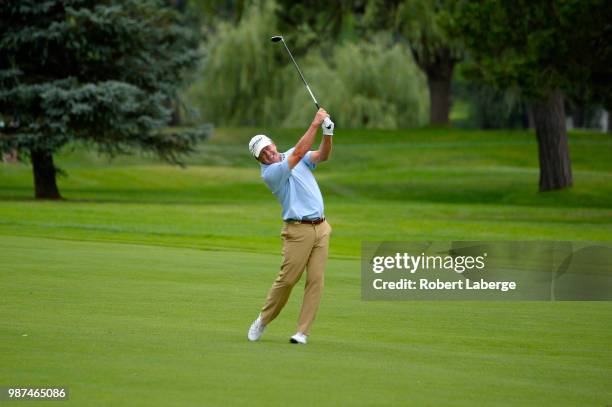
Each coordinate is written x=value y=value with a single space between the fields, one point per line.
x=256 y=329
x=299 y=338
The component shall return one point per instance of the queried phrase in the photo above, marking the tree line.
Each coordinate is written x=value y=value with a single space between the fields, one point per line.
x=111 y=74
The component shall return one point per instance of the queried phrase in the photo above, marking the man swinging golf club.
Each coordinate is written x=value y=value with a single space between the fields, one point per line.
x=305 y=232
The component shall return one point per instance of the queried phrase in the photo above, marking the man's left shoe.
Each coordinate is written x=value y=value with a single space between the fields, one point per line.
x=299 y=338
x=256 y=329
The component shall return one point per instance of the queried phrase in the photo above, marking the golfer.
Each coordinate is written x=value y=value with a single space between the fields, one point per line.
x=305 y=232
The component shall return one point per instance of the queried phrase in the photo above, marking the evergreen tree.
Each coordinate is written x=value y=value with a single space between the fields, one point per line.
x=103 y=73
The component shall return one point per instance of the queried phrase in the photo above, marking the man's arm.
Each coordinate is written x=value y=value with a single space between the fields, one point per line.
x=303 y=146
x=324 y=151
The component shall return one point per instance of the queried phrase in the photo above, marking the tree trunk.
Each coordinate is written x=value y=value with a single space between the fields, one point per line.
x=439 y=70
x=45 y=185
x=440 y=100
x=555 y=165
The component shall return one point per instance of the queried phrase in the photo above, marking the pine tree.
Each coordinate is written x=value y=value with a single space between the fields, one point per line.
x=103 y=73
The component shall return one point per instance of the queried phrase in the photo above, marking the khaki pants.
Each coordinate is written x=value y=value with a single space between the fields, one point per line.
x=304 y=247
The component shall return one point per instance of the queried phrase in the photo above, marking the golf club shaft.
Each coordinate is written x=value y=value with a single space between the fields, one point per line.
x=301 y=75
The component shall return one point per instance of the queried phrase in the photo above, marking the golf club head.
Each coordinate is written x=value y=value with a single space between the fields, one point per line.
x=276 y=38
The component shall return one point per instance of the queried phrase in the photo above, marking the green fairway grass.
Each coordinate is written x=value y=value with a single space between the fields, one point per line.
x=138 y=289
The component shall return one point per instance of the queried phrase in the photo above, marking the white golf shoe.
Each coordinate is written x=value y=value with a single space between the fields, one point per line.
x=256 y=329
x=299 y=338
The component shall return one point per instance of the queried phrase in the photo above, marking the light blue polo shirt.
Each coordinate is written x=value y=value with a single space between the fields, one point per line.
x=297 y=189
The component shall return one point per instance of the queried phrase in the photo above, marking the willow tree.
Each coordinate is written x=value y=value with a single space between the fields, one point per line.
x=99 y=72
x=428 y=28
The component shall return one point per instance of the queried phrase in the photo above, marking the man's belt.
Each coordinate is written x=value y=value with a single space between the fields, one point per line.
x=306 y=221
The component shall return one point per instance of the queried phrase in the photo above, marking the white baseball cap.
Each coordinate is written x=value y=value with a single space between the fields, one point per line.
x=258 y=143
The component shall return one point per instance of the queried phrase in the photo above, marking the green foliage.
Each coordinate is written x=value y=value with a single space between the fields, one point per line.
x=214 y=10
x=241 y=78
x=539 y=46
x=365 y=85
x=427 y=26
x=98 y=72
x=489 y=107
x=248 y=80
x=318 y=23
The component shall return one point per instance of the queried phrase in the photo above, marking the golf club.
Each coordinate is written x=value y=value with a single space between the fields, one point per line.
x=280 y=38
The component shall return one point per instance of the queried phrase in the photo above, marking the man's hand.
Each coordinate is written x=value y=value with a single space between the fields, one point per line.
x=328 y=127
x=319 y=117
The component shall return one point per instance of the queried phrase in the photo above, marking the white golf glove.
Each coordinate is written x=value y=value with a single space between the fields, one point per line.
x=328 y=127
